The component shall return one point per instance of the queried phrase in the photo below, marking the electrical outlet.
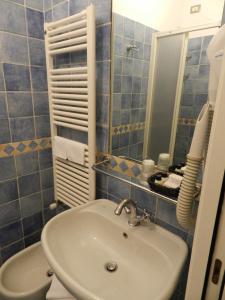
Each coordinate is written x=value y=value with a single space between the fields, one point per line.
x=195 y=9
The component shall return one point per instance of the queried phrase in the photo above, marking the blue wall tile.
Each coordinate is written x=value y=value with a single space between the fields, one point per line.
x=47 y=4
x=193 y=57
x=7 y=168
x=32 y=224
x=118 y=48
x=102 y=135
x=41 y=104
x=19 y=104
x=102 y=111
x=77 y=5
x=48 y=196
x=10 y=233
x=2 y=85
x=47 y=178
x=39 y=79
x=37 y=52
x=118 y=188
x=9 y=12
x=42 y=126
x=129 y=26
x=8 y=191
x=27 y=163
x=17 y=78
x=22 y=129
x=4 y=132
x=48 y=16
x=148 y=35
x=10 y=212
x=118 y=24
x=29 y=184
x=30 y=205
x=33 y=238
x=60 y=11
x=127 y=66
x=103 y=77
x=35 y=4
x=13 y=48
x=139 y=32
x=45 y=158
x=195 y=44
x=35 y=23
x=103 y=10
x=103 y=42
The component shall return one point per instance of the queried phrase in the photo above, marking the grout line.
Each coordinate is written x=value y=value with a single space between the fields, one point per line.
x=22 y=5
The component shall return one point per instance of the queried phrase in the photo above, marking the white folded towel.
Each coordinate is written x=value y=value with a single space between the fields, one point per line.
x=57 y=291
x=69 y=149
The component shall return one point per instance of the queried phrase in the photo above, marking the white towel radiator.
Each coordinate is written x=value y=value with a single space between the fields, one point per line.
x=72 y=102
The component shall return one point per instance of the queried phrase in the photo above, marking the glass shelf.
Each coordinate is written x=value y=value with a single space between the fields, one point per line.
x=105 y=168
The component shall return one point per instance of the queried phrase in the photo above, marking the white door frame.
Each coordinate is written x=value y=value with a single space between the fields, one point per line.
x=213 y=290
x=209 y=199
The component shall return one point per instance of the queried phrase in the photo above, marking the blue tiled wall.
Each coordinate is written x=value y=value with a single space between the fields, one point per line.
x=194 y=94
x=130 y=83
x=26 y=186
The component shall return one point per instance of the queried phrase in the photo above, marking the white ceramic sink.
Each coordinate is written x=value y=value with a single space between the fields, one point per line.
x=79 y=242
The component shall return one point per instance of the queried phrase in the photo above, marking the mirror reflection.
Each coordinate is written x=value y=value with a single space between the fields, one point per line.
x=160 y=74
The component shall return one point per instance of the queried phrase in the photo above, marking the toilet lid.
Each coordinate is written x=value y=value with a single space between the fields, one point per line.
x=57 y=291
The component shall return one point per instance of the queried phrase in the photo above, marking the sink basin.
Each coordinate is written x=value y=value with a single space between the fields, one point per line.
x=144 y=262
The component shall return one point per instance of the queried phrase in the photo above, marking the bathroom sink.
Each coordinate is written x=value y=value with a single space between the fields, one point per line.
x=97 y=256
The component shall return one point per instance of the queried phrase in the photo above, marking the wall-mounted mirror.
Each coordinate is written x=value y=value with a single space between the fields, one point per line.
x=160 y=74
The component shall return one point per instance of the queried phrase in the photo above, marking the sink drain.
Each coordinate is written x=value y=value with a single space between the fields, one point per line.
x=111 y=266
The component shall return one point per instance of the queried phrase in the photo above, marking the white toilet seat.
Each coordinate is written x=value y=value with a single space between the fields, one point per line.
x=58 y=292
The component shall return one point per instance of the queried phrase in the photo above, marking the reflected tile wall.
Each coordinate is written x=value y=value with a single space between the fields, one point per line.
x=130 y=84
x=194 y=94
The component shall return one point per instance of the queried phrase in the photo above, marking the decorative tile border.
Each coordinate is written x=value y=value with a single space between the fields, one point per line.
x=127 y=128
x=121 y=165
x=185 y=121
x=18 y=148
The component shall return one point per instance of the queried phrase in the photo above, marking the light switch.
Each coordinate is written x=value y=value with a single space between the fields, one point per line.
x=195 y=9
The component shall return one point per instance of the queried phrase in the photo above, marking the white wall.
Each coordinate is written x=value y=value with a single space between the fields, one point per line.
x=211 y=11
x=165 y=15
x=152 y=13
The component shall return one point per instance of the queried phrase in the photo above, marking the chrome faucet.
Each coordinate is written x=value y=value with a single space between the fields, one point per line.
x=130 y=207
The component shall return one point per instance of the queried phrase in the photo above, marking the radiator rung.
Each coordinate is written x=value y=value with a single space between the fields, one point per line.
x=70 y=114
x=74 y=41
x=82 y=173
x=70 y=108
x=72 y=178
x=69 y=182
x=68 y=28
x=68 y=188
x=68 y=71
x=72 y=126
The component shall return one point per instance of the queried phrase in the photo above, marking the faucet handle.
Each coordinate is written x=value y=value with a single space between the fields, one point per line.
x=146 y=217
x=127 y=210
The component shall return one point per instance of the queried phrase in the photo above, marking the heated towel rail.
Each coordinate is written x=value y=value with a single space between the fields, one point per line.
x=72 y=102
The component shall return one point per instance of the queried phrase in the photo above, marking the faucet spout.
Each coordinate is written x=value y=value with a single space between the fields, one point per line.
x=130 y=207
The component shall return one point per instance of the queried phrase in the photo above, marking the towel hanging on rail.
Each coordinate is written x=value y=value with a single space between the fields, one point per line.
x=69 y=149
